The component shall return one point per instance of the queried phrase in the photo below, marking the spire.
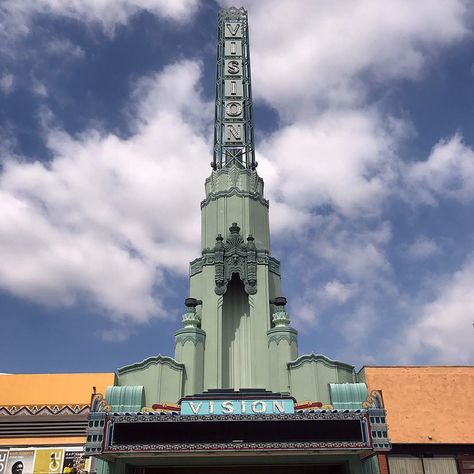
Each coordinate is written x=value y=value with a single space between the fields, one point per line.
x=233 y=134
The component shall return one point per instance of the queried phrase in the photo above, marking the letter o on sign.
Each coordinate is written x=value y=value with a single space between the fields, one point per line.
x=259 y=407
x=233 y=109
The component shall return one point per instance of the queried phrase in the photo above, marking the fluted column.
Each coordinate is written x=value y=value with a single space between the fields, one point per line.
x=282 y=345
x=189 y=348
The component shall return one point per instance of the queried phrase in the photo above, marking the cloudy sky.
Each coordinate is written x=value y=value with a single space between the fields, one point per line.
x=365 y=139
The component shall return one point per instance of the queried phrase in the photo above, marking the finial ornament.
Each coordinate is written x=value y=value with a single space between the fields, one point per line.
x=280 y=317
x=191 y=319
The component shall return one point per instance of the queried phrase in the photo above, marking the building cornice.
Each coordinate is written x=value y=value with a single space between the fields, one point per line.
x=154 y=360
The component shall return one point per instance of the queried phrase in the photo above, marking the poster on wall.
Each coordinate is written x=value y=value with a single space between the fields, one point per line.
x=55 y=460
x=20 y=461
x=76 y=463
x=48 y=461
x=3 y=460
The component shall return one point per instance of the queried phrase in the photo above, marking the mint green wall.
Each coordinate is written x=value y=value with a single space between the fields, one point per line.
x=282 y=346
x=311 y=374
x=234 y=195
x=189 y=350
x=161 y=377
x=202 y=287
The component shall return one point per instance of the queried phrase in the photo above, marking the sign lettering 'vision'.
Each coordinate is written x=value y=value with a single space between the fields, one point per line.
x=233 y=87
x=237 y=407
x=233 y=142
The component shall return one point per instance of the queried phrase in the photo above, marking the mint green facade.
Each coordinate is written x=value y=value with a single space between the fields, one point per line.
x=236 y=332
x=236 y=337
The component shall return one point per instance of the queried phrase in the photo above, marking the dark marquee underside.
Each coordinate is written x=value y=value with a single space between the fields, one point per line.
x=138 y=433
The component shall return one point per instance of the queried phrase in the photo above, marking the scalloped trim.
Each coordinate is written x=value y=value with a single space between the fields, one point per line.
x=308 y=358
x=153 y=360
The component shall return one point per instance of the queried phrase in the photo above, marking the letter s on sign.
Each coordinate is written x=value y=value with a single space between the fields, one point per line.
x=227 y=407
x=233 y=67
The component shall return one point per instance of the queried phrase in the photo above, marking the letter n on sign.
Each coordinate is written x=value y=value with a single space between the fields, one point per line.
x=233 y=133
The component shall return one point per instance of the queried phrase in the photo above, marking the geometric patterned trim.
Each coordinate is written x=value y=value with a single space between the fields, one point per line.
x=182 y=338
x=20 y=410
x=155 y=417
x=233 y=192
x=277 y=335
x=147 y=418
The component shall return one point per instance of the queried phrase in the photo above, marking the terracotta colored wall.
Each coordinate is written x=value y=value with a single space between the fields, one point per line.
x=426 y=404
x=51 y=389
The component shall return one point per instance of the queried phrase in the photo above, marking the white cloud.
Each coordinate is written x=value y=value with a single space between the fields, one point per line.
x=444 y=330
x=119 y=333
x=340 y=262
x=422 y=248
x=344 y=158
x=447 y=173
x=355 y=250
x=338 y=291
x=64 y=47
x=19 y=14
x=359 y=324
x=106 y=216
x=39 y=89
x=7 y=83
x=340 y=47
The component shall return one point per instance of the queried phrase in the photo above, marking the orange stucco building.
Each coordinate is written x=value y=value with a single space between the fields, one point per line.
x=430 y=417
x=43 y=420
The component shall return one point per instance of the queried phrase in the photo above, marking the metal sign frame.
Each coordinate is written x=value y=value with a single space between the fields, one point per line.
x=233 y=133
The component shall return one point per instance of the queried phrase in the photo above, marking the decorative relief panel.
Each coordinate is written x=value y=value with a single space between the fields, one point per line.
x=235 y=256
x=239 y=253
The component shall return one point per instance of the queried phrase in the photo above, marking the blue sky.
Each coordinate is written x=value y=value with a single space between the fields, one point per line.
x=365 y=140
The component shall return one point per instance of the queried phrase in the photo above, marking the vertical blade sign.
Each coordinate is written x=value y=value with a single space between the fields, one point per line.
x=233 y=139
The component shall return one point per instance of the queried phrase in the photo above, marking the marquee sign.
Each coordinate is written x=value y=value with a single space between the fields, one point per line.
x=153 y=432
x=222 y=420
x=237 y=407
